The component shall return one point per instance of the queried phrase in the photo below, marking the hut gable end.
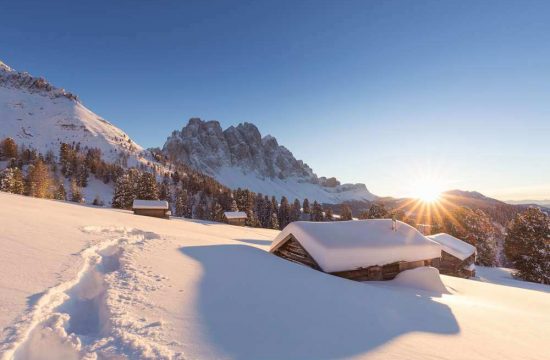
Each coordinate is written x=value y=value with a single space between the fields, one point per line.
x=292 y=250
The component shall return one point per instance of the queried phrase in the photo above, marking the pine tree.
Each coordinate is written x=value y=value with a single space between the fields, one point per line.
x=124 y=194
x=217 y=212
x=11 y=180
x=295 y=211
x=474 y=227
x=316 y=212
x=328 y=214
x=284 y=213
x=8 y=149
x=201 y=209
x=147 y=188
x=65 y=155
x=164 y=189
x=182 y=208
x=38 y=180
x=376 y=211
x=527 y=245
x=252 y=219
x=345 y=213
x=76 y=192
x=305 y=207
x=234 y=206
x=60 y=193
x=274 y=223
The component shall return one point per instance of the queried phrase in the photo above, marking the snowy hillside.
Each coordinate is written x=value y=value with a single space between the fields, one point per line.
x=86 y=283
x=240 y=157
x=41 y=116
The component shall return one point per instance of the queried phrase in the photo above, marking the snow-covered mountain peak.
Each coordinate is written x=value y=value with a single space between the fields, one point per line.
x=41 y=116
x=240 y=157
x=4 y=67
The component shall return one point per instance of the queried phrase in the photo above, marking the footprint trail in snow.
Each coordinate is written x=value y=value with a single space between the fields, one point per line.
x=88 y=317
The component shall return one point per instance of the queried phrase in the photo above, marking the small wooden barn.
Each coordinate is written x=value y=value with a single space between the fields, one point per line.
x=155 y=208
x=357 y=250
x=457 y=256
x=235 y=217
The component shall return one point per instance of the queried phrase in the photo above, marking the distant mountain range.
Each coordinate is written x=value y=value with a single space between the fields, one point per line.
x=41 y=116
x=545 y=203
x=240 y=157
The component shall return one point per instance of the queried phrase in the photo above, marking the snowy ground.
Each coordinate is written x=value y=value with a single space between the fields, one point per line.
x=84 y=282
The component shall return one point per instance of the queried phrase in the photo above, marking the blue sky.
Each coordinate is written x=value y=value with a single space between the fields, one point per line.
x=380 y=92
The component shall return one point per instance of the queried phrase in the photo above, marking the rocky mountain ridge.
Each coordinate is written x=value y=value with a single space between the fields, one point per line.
x=240 y=156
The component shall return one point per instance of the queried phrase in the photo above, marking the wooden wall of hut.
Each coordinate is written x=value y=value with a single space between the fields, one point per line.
x=293 y=251
x=159 y=213
x=453 y=266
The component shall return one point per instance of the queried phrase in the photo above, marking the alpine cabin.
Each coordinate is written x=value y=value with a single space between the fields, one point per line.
x=457 y=256
x=357 y=250
x=154 y=208
x=235 y=217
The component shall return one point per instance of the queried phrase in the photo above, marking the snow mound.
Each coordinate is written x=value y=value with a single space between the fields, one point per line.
x=422 y=278
x=456 y=247
x=347 y=245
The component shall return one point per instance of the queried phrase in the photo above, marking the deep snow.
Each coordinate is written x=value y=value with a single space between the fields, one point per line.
x=347 y=245
x=83 y=282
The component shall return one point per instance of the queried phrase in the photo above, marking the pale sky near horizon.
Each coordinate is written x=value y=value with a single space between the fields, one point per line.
x=392 y=94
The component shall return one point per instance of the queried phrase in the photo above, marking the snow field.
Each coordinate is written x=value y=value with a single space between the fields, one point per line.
x=155 y=288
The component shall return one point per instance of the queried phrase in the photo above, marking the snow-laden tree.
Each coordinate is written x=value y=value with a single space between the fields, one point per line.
x=60 y=193
x=181 y=204
x=274 y=223
x=527 y=245
x=284 y=213
x=76 y=192
x=11 y=180
x=234 y=206
x=345 y=212
x=147 y=187
x=305 y=207
x=295 y=211
x=376 y=211
x=329 y=216
x=474 y=227
x=217 y=212
x=124 y=193
x=316 y=212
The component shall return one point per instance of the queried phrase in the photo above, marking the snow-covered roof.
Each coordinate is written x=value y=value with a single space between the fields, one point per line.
x=235 y=214
x=347 y=245
x=456 y=247
x=150 y=204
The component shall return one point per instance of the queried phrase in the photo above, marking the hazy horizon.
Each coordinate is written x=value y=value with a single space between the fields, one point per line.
x=391 y=94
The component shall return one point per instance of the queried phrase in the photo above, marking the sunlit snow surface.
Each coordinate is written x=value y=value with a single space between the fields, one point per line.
x=82 y=282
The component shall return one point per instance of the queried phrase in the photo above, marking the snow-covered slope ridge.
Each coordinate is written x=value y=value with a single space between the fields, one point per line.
x=86 y=283
x=240 y=157
x=41 y=116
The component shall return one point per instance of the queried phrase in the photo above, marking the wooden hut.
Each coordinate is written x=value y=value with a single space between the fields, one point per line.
x=357 y=250
x=155 y=208
x=457 y=256
x=235 y=217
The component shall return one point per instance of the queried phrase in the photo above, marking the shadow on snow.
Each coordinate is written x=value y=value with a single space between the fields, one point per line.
x=255 y=305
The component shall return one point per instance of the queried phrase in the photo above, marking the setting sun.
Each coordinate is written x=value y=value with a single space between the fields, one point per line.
x=428 y=194
x=427 y=189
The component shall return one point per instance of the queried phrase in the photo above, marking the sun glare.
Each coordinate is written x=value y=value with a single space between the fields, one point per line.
x=427 y=190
